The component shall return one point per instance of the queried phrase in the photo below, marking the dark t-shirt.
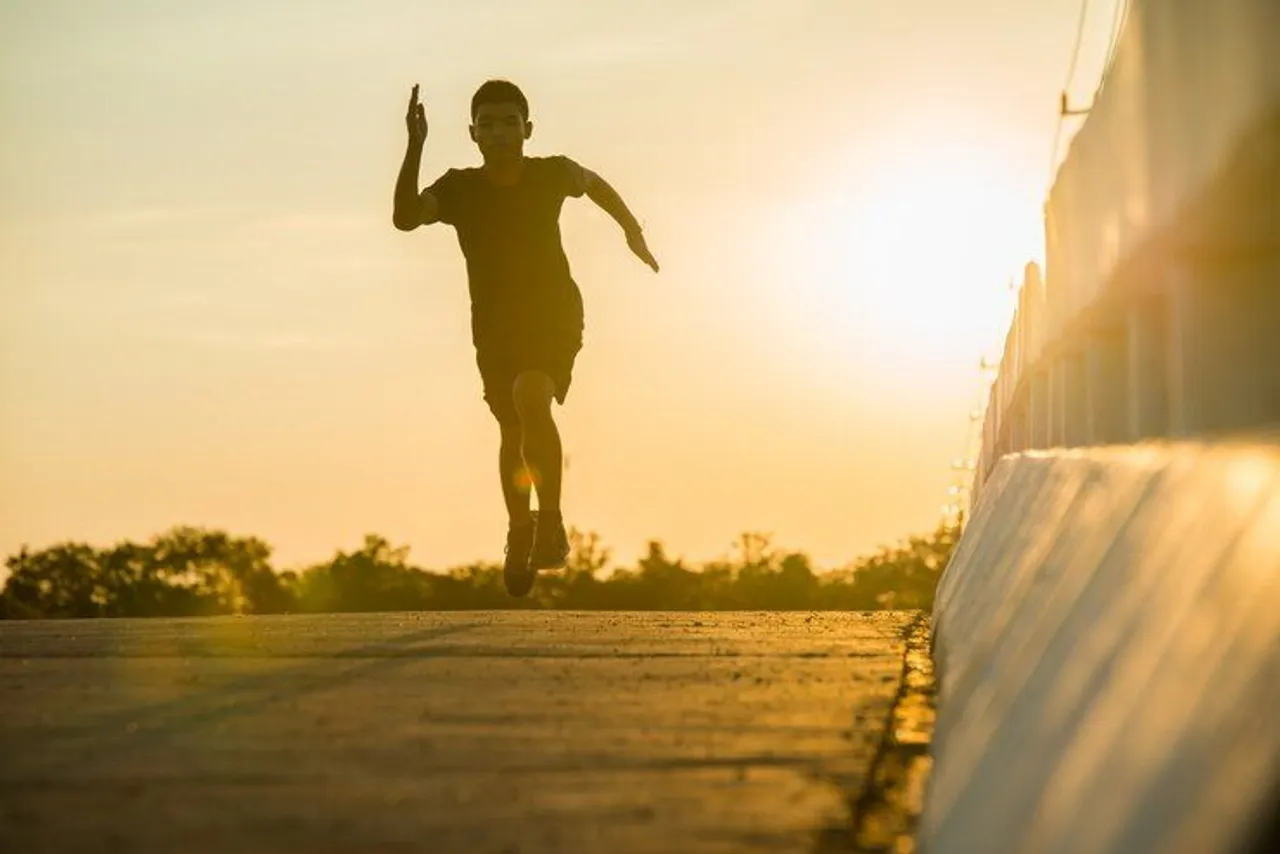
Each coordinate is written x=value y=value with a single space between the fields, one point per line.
x=517 y=271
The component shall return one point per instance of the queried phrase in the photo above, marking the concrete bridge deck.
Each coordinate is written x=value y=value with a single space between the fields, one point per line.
x=468 y=732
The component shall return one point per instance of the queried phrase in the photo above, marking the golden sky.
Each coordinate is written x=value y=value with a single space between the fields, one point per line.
x=206 y=316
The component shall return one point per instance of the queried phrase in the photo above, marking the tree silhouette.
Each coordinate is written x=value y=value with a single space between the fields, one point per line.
x=190 y=571
x=62 y=581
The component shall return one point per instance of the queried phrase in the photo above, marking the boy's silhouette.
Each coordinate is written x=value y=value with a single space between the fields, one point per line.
x=526 y=310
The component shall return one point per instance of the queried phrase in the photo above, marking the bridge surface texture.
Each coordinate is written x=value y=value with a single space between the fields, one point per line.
x=474 y=731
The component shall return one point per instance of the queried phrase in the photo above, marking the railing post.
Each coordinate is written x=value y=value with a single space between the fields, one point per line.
x=1179 y=331
x=1075 y=399
x=1147 y=321
x=1107 y=386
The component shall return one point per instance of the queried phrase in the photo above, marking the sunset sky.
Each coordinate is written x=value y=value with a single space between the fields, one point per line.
x=206 y=316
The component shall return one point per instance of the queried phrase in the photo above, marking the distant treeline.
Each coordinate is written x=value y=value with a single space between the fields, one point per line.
x=193 y=572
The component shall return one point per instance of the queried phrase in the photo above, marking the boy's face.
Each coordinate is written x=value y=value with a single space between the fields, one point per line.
x=500 y=131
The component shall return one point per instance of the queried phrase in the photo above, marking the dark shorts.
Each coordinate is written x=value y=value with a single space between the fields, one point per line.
x=502 y=359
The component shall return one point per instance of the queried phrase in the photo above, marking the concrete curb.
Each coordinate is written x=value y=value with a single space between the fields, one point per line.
x=888 y=808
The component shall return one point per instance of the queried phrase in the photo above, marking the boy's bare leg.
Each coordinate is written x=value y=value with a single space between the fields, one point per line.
x=533 y=392
x=515 y=483
x=520 y=529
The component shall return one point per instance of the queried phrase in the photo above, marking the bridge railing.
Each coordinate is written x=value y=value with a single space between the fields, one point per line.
x=1158 y=314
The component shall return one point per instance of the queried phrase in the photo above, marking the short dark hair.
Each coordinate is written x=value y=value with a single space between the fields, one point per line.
x=499 y=92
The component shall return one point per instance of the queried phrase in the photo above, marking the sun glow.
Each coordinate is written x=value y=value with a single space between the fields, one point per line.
x=909 y=263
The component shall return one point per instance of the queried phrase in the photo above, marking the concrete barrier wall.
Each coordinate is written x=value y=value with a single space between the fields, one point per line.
x=1157 y=313
x=1191 y=79
x=1108 y=646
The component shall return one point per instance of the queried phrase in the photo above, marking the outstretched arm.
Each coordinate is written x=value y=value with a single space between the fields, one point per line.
x=411 y=208
x=600 y=192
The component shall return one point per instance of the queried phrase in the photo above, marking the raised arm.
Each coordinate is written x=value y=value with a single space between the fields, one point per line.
x=412 y=208
x=599 y=191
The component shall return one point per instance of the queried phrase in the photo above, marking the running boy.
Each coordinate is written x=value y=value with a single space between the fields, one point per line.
x=526 y=310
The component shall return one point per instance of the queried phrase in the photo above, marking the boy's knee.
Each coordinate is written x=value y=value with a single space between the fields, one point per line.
x=532 y=393
x=512 y=432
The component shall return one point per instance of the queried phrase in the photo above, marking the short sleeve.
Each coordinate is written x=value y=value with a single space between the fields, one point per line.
x=447 y=190
x=569 y=176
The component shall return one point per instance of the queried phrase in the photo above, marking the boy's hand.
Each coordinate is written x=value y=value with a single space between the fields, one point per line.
x=416 y=119
x=635 y=239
